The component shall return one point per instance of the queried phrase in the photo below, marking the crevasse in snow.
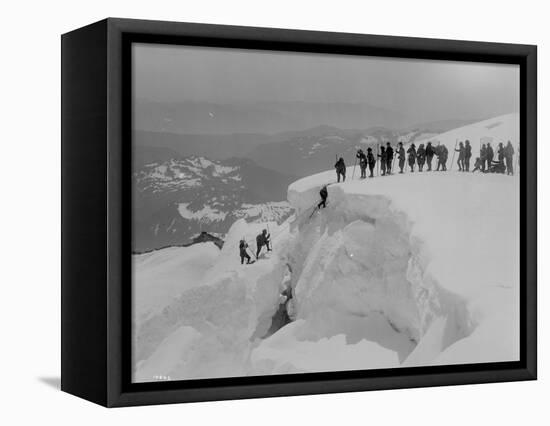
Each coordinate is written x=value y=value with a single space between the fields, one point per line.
x=402 y=252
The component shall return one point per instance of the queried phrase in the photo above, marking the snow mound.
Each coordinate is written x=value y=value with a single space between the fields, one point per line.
x=158 y=275
x=211 y=327
x=283 y=353
x=445 y=275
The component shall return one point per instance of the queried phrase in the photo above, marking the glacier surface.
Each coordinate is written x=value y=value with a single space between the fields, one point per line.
x=409 y=270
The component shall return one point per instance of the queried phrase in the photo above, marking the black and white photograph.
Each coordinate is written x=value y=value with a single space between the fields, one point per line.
x=306 y=212
x=232 y=213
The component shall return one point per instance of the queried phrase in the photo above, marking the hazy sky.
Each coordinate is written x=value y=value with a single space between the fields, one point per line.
x=424 y=90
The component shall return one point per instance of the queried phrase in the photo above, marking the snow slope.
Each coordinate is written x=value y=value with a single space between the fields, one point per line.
x=209 y=329
x=503 y=128
x=158 y=275
x=407 y=270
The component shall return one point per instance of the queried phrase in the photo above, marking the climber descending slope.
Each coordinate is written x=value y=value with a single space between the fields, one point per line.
x=323 y=203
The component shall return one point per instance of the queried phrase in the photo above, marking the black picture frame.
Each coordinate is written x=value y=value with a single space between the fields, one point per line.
x=96 y=212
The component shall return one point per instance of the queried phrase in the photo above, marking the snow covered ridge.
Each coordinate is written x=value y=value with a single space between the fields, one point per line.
x=375 y=277
x=178 y=198
x=185 y=173
x=275 y=211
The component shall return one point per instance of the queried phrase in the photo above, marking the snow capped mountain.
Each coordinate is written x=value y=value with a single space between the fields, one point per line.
x=181 y=174
x=178 y=198
x=397 y=271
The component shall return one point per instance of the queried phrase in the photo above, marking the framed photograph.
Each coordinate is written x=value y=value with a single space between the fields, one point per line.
x=254 y=212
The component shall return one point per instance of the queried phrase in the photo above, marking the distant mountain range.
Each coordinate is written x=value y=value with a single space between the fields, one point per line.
x=259 y=117
x=297 y=152
x=176 y=199
x=156 y=146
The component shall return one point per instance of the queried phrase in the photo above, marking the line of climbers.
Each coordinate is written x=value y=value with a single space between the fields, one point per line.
x=424 y=155
x=387 y=155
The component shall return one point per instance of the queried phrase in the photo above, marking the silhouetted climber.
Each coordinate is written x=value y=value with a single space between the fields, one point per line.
x=509 y=155
x=478 y=165
x=483 y=157
x=430 y=152
x=383 y=161
x=442 y=155
x=421 y=156
x=324 y=194
x=371 y=161
x=500 y=156
x=242 y=249
x=340 y=167
x=460 y=160
x=500 y=152
x=262 y=240
x=401 y=156
x=489 y=155
x=389 y=158
x=412 y=156
x=467 y=155
x=362 y=163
